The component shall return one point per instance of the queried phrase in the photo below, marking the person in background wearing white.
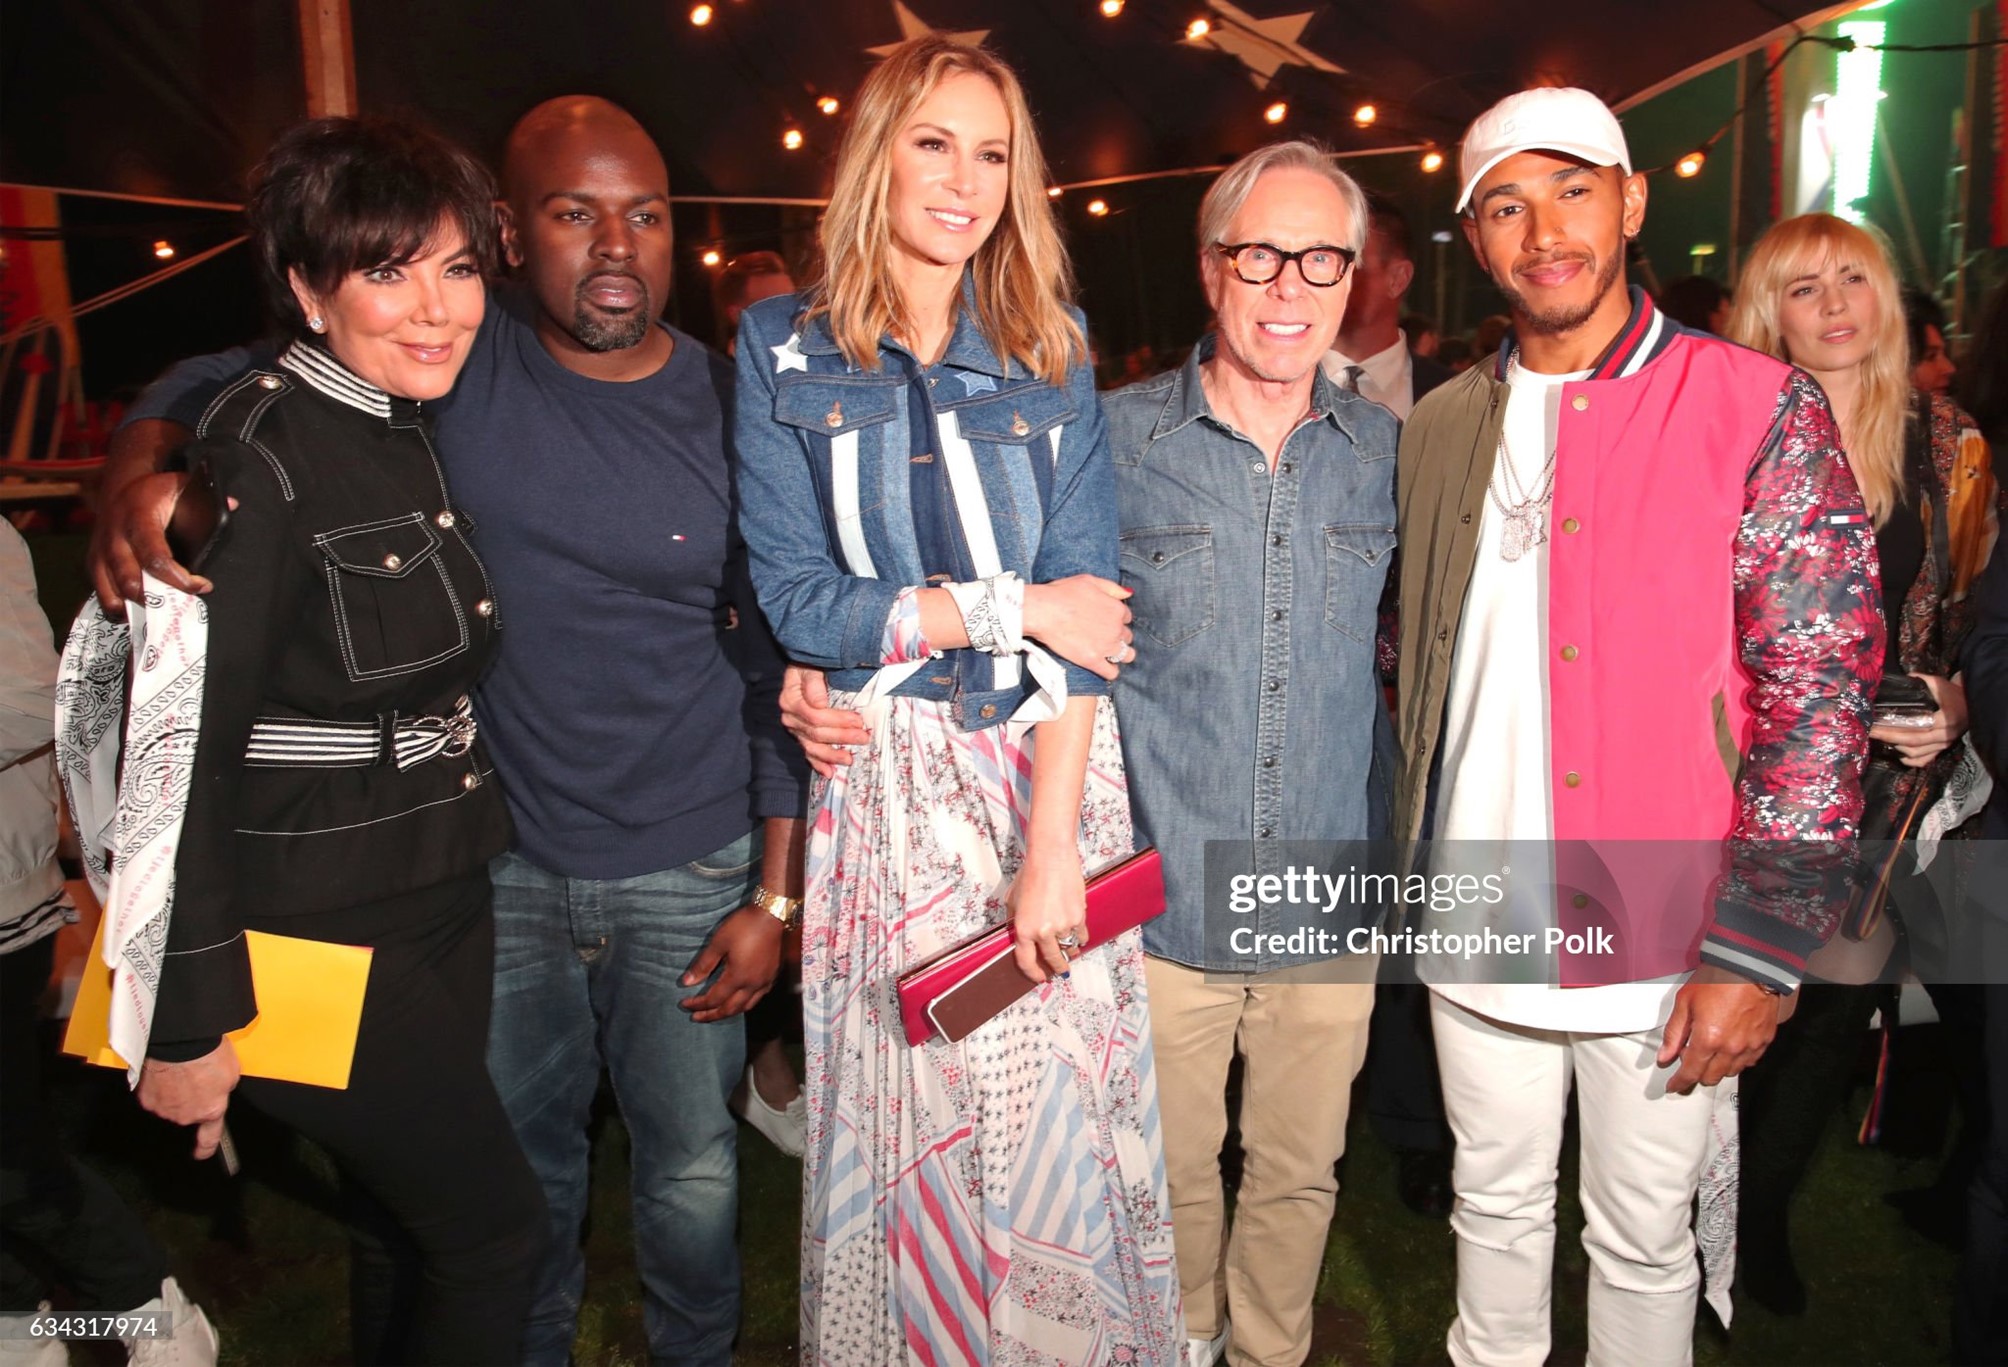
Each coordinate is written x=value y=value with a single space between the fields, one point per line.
x=53 y=1209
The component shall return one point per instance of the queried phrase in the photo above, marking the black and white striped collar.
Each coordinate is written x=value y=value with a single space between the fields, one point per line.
x=1646 y=333
x=319 y=369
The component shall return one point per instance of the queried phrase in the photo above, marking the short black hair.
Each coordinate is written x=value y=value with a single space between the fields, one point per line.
x=1385 y=217
x=1921 y=311
x=1691 y=299
x=339 y=195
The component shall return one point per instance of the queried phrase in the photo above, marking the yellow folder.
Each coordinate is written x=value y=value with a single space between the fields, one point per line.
x=310 y=1005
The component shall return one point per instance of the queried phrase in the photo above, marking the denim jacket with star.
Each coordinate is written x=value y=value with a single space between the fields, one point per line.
x=835 y=516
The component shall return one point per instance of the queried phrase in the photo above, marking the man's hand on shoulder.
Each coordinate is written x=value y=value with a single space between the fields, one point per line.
x=135 y=502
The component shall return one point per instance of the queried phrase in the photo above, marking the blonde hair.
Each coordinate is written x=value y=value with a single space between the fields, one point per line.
x=1023 y=280
x=1874 y=433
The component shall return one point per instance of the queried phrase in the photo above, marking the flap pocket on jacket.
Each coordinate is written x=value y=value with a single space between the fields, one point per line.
x=1170 y=570
x=1370 y=541
x=1015 y=417
x=1356 y=564
x=389 y=550
x=395 y=608
x=830 y=409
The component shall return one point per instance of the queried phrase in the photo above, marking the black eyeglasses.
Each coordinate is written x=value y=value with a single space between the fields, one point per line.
x=1258 y=263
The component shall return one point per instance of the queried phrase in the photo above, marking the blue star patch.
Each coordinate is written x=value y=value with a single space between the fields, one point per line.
x=973 y=382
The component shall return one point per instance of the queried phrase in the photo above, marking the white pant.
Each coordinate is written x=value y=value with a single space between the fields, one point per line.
x=1506 y=1091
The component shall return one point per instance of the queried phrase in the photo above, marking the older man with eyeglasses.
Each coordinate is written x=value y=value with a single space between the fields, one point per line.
x=1257 y=505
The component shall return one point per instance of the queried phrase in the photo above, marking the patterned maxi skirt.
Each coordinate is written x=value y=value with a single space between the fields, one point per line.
x=1000 y=1201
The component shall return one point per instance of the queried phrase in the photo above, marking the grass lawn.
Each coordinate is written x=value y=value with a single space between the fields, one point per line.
x=267 y=1258
x=264 y=1254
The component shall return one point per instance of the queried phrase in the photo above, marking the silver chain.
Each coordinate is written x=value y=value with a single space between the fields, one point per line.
x=1524 y=520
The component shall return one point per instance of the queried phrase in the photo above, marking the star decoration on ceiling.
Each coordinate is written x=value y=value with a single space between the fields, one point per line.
x=911 y=25
x=1264 y=46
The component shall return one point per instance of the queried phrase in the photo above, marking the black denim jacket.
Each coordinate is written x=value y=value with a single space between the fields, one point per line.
x=345 y=590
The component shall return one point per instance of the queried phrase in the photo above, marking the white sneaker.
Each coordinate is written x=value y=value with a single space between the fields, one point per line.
x=27 y=1352
x=786 y=1129
x=1206 y=1352
x=194 y=1343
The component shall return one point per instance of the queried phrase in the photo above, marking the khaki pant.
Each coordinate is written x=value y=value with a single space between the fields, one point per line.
x=1301 y=1044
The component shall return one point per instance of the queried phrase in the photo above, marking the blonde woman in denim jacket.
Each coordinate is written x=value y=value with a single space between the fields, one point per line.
x=927 y=496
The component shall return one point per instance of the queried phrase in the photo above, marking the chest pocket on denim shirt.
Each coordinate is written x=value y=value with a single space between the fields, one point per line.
x=1356 y=560
x=1171 y=571
x=395 y=609
x=840 y=411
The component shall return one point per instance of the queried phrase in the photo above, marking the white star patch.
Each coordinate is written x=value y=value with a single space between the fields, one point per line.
x=974 y=382
x=788 y=355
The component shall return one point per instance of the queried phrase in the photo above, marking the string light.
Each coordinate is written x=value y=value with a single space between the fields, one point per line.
x=792 y=139
x=829 y=104
x=1690 y=165
x=1432 y=160
x=1365 y=115
x=1198 y=29
x=700 y=15
x=1276 y=112
x=1053 y=192
x=1111 y=8
x=164 y=250
x=1098 y=207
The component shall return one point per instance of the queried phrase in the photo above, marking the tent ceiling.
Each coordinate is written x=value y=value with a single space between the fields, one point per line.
x=176 y=97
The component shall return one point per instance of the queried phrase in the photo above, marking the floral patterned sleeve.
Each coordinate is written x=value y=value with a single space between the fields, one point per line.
x=1810 y=634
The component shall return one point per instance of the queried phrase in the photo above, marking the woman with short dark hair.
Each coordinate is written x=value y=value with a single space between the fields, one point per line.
x=336 y=790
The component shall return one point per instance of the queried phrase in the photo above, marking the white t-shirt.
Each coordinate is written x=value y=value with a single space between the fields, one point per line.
x=1495 y=748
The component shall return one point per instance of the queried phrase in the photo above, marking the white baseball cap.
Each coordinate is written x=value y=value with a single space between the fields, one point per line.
x=1550 y=119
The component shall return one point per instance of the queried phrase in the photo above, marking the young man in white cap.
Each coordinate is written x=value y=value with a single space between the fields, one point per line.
x=1638 y=603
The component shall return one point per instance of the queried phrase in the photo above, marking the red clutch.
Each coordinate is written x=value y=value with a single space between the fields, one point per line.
x=960 y=988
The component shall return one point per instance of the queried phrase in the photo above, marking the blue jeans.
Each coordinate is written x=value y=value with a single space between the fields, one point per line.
x=587 y=972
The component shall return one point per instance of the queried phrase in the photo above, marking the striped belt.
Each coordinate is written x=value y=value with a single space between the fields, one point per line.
x=304 y=743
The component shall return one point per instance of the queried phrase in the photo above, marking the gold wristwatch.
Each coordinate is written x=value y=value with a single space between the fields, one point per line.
x=782 y=909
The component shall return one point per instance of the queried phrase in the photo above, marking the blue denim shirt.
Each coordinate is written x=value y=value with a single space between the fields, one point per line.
x=827 y=506
x=1253 y=711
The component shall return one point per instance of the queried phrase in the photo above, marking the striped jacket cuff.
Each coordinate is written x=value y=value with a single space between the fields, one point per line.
x=1758 y=947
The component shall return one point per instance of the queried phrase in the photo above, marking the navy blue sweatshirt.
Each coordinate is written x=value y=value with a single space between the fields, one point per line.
x=635 y=729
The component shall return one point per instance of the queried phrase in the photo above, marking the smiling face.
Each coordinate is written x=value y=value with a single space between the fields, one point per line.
x=950 y=173
x=1829 y=318
x=1278 y=331
x=1550 y=230
x=588 y=220
x=407 y=327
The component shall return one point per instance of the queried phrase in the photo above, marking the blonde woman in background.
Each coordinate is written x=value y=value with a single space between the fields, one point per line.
x=1819 y=292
